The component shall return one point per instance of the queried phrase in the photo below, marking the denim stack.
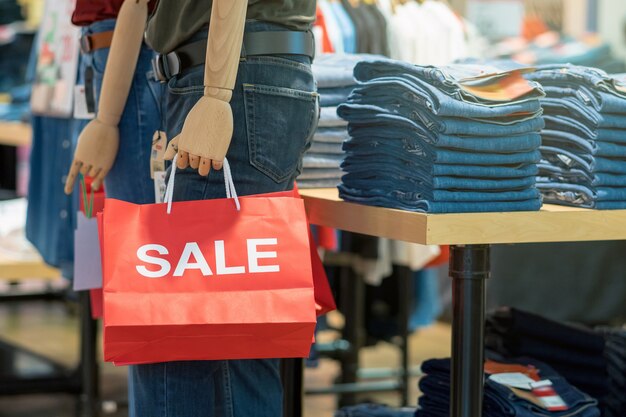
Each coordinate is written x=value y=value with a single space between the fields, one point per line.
x=374 y=410
x=583 y=149
x=449 y=139
x=501 y=400
x=333 y=73
x=592 y=360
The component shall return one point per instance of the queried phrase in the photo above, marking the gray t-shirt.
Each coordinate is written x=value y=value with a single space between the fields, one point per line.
x=175 y=21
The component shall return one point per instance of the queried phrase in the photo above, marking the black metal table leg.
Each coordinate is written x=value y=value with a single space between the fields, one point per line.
x=292 y=374
x=405 y=298
x=353 y=302
x=88 y=366
x=469 y=269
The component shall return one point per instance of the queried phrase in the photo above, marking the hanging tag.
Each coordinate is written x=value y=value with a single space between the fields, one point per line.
x=159 y=186
x=157 y=156
x=513 y=379
x=81 y=110
x=550 y=399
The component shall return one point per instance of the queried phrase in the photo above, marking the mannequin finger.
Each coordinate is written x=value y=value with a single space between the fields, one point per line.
x=94 y=171
x=194 y=161
x=71 y=177
x=85 y=169
x=217 y=165
x=98 y=180
x=183 y=160
x=171 y=150
x=205 y=167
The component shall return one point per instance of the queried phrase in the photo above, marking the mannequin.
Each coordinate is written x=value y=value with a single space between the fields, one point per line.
x=99 y=141
x=260 y=108
x=208 y=128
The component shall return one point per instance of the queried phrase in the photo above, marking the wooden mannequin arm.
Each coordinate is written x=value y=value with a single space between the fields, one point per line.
x=208 y=128
x=99 y=141
x=123 y=56
x=228 y=19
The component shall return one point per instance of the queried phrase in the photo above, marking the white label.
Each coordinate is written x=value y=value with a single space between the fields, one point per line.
x=513 y=379
x=159 y=186
x=80 y=104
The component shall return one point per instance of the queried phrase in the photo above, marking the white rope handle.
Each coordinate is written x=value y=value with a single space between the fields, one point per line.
x=229 y=185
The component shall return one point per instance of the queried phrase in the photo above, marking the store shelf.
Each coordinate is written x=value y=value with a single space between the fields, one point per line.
x=15 y=270
x=15 y=134
x=551 y=224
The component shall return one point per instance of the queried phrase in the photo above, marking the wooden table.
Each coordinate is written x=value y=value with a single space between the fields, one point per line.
x=15 y=134
x=469 y=236
x=16 y=269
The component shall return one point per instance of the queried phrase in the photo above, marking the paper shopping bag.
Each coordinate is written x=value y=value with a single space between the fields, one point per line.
x=207 y=281
x=324 y=299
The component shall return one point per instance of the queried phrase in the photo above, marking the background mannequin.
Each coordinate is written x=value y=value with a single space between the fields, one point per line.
x=99 y=141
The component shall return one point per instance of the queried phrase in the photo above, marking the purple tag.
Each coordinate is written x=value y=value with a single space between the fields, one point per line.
x=87 y=262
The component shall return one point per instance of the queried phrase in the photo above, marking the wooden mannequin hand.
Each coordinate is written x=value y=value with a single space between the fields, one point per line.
x=95 y=153
x=206 y=135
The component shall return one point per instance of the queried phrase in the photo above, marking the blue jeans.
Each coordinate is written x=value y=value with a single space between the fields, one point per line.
x=411 y=201
x=331 y=134
x=336 y=70
x=356 y=112
x=582 y=196
x=275 y=110
x=442 y=104
x=449 y=80
x=424 y=172
x=552 y=173
x=330 y=119
x=51 y=214
x=593 y=86
x=363 y=178
x=403 y=131
x=499 y=400
x=129 y=178
x=330 y=97
x=412 y=151
x=373 y=410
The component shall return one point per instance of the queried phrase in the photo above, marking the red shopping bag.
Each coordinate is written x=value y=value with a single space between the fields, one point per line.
x=214 y=279
x=324 y=299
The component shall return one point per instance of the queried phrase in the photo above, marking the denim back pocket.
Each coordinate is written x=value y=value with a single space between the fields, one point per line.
x=280 y=122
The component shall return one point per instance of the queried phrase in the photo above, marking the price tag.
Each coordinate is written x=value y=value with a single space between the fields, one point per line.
x=159 y=186
x=157 y=155
x=551 y=400
x=513 y=379
x=81 y=110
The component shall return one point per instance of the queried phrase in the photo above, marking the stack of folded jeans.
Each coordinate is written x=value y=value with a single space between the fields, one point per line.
x=333 y=73
x=449 y=139
x=593 y=361
x=374 y=410
x=583 y=149
x=502 y=400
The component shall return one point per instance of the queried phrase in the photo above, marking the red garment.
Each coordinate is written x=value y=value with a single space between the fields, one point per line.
x=442 y=259
x=87 y=12
x=327 y=46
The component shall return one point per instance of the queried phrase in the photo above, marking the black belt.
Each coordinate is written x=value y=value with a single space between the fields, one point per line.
x=167 y=66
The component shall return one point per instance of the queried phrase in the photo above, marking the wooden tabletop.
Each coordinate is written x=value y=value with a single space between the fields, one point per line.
x=551 y=224
x=15 y=134
x=15 y=269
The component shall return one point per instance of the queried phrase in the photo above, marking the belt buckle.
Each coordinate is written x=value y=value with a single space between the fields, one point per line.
x=85 y=44
x=166 y=66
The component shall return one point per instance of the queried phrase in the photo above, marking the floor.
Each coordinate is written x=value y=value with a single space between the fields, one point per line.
x=50 y=329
